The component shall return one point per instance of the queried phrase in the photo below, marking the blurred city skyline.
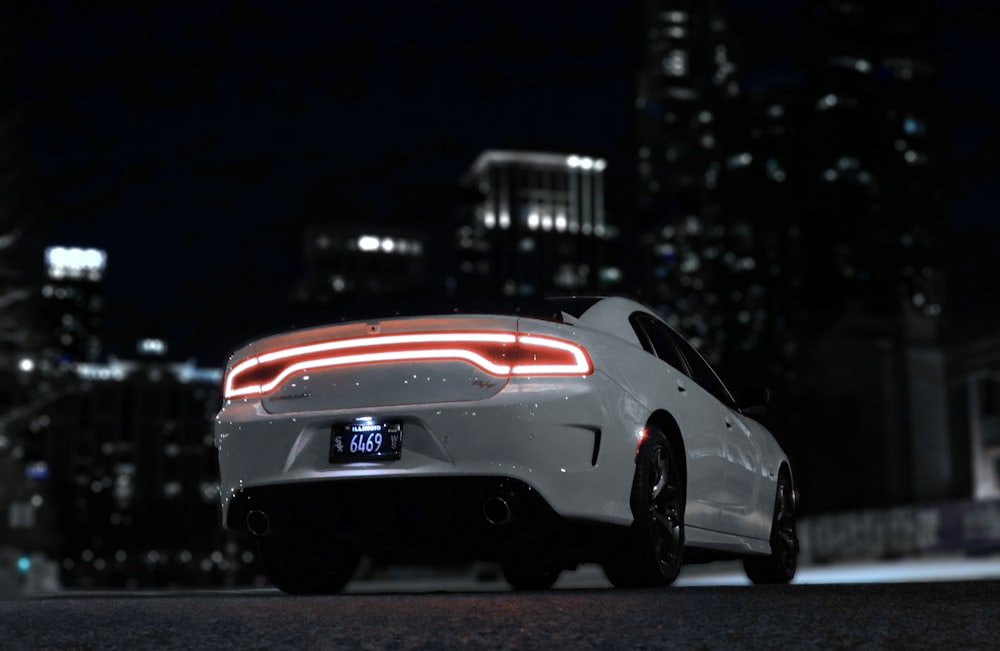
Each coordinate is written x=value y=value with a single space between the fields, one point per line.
x=197 y=144
x=237 y=161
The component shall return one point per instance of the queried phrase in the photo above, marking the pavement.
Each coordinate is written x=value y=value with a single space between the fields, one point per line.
x=922 y=569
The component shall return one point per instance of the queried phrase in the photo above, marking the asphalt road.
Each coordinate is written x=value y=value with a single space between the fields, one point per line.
x=950 y=615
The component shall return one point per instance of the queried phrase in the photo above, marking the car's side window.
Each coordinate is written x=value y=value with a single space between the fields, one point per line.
x=701 y=371
x=641 y=334
x=655 y=338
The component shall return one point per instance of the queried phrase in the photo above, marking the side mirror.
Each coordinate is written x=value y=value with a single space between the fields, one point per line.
x=752 y=400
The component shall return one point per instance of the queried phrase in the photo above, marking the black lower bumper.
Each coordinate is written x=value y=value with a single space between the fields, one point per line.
x=444 y=517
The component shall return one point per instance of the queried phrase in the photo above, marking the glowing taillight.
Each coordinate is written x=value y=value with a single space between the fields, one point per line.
x=502 y=354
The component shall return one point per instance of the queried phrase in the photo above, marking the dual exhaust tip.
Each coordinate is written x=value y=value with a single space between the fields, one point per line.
x=496 y=510
x=258 y=523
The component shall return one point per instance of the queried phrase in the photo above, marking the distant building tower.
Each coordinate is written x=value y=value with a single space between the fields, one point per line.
x=792 y=228
x=132 y=471
x=539 y=228
x=685 y=80
x=874 y=150
x=348 y=264
x=74 y=297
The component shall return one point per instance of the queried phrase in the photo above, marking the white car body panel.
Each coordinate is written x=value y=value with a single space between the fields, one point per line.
x=572 y=439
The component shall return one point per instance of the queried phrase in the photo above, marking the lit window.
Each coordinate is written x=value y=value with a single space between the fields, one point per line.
x=368 y=243
x=913 y=126
x=691 y=263
x=675 y=63
x=828 y=101
x=739 y=160
x=610 y=274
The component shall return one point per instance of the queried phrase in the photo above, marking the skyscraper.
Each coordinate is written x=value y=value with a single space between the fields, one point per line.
x=791 y=211
x=684 y=82
x=539 y=226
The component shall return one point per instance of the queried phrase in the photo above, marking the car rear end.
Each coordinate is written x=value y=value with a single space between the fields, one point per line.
x=410 y=430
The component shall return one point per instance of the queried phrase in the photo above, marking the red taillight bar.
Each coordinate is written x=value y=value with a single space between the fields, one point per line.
x=498 y=353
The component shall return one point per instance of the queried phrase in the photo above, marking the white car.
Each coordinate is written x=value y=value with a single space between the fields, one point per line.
x=580 y=430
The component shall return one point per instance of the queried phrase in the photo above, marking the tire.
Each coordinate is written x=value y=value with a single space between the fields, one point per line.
x=779 y=566
x=652 y=549
x=527 y=574
x=303 y=566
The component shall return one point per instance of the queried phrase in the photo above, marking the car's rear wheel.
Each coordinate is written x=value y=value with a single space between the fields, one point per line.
x=529 y=574
x=306 y=566
x=652 y=549
x=779 y=566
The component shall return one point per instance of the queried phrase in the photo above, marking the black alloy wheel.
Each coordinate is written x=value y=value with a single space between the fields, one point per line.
x=302 y=565
x=780 y=565
x=529 y=574
x=653 y=549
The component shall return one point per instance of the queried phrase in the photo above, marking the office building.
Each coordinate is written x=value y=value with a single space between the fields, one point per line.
x=538 y=227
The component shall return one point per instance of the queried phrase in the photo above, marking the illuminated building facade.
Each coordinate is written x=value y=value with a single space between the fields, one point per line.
x=976 y=389
x=792 y=218
x=735 y=182
x=539 y=226
x=132 y=476
x=74 y=297
x=346 y=265
x=685 y=81
x=875 y=156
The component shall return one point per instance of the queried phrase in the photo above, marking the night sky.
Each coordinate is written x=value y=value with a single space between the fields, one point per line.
x=193 y=140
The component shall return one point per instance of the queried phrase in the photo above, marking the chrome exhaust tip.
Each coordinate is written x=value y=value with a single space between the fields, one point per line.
x=497 y=511
x=258 y=523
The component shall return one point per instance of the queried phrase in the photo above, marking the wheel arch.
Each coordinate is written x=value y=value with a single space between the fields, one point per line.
x=786 y=469
x=666 y=423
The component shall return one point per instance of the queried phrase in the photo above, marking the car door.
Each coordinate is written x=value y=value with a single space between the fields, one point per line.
x=741 y=440
x=694 y=410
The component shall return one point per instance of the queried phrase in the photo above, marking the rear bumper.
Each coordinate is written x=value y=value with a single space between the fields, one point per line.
x=570 y=441
x=446 y=517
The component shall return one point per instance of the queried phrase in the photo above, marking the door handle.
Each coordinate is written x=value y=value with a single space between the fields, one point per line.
x=680 y=386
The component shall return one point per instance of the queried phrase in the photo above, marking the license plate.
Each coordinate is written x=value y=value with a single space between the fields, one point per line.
x=366 y=440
